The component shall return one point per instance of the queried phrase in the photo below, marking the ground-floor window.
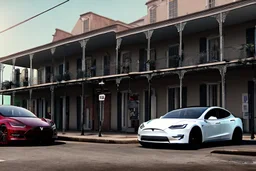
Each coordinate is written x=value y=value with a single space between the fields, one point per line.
x=213 y=95
x=174 y=98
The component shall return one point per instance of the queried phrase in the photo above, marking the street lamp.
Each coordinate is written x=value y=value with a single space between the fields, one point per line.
x=101 y=100
x=2 y=80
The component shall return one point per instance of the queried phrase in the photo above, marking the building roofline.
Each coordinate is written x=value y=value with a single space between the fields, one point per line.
x=150 y=2
x=63 y=31
x=118 y=21
x=61 y=42
x=188 y=17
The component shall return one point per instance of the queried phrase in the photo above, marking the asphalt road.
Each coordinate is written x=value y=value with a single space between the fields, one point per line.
x=76 y=156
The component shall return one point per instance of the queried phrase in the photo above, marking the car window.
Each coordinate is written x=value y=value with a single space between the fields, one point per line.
x=223 y=114
x=12 y=111
x=212 y=112
x=186 y=113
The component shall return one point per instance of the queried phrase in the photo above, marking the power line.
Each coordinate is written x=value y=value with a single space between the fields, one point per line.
x=33 y=17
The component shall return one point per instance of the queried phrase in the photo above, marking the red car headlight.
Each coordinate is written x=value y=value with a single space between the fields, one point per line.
x=17 y=124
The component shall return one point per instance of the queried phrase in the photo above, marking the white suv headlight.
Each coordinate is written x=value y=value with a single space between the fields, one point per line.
x=182 y=126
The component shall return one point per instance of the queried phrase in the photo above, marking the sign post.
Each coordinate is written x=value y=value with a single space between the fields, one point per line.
x=101 y=115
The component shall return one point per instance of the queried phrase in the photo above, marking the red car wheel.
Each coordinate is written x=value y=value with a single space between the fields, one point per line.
x=3 y=135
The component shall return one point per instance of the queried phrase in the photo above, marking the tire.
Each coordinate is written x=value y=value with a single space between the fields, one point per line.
x=195 y=138
x=3 y=135
x=237 y=136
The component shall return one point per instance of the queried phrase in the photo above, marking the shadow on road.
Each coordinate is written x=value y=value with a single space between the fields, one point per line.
x=203 y=146
x=32 y=144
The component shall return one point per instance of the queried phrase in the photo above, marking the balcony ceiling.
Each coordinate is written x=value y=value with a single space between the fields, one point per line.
x=67 y=50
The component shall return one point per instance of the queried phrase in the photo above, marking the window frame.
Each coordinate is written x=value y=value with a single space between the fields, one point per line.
x=152 y=12
x=173 y=11
x=208 y=93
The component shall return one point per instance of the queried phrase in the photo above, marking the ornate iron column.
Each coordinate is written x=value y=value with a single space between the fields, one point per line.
x=223 y=70
x=181 y=76
x=180 y=27
x=31 y=69
x=221 y=17
x=118 y=44
x=148 y=34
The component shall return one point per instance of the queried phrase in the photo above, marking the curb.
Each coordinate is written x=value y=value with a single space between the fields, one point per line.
x=64 y=138
x=235 y=152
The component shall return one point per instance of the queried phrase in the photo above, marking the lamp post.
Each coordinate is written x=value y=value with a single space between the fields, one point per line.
x=101 y=112
x=2 y=80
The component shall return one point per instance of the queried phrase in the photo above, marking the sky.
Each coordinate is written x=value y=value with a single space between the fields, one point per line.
x=39 y=31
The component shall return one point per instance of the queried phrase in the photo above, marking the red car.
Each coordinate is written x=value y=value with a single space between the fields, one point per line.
x=19 y=124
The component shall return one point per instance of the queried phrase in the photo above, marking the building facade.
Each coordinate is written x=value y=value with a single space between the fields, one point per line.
x=185 y=55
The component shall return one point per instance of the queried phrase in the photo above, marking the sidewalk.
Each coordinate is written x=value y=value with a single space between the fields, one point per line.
x=109 y=137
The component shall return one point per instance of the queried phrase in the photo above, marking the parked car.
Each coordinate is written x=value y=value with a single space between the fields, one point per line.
x=19 y=124
x=192 y=125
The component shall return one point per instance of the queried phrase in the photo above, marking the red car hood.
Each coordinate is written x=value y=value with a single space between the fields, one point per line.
x=33 y=122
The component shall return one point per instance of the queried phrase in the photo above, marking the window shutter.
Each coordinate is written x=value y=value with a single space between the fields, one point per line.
x=153 y=14
x=203 y=95
x=67 y=66
x=250 y=39
x=251 y=103
x=86 y=25
x=173 y=8
x=142 y=61
x=184 y=96
x=203 y=45
x=171 y=99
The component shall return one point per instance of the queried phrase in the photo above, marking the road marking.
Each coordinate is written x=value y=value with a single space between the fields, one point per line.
x=2 y=160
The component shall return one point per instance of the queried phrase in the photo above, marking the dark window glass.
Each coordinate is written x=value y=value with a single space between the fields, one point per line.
x=186 y=113
x=223 y=114
x=212 y=112
x=11 y=111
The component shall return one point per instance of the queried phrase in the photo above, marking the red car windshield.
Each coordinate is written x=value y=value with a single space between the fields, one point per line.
x=13 y=111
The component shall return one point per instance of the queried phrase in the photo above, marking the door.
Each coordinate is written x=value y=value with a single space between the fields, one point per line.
x=212 y=127
x=107 y=113
x=67 y=113
x=142 y=60
x=173 y=56
x=227 y=124
x=78 y=112
x=125 y=111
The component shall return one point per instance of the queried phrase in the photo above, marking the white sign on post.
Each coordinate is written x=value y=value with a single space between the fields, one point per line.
x=101 y=97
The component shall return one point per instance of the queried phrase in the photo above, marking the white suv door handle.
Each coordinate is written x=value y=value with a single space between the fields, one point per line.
x=217 y=123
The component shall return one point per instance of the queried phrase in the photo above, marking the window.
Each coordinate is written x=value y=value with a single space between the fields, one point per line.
x=213 y=49
x=173 y=8
x=173 y=56
x=106 y=64
x=86 y=25
x=211 y=113
x=188 y=113
x=213 y=95
x=211 y=3
x=126 y=62
x=223 y=114
x=11 y=111
x=218 y=113
x=152 y=14
x=174 y=98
